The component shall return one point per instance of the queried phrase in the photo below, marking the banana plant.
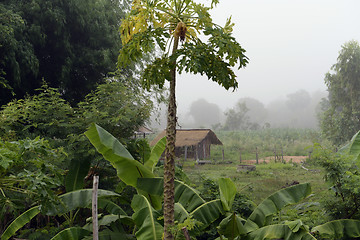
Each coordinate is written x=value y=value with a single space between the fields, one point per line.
x=67 y=202
x=128 y=169
x=257 y=226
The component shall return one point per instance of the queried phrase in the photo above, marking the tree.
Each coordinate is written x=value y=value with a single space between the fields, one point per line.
x=257 y=112
x=71 y=44
x=236 y=118
x=341 y=119
x=204 y=113
x=163 y=24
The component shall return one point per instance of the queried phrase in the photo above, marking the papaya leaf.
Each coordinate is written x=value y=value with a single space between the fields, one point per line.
x=339 y=228
x=208 y=213
x=232 y=226
x=279 y=231
x=263 y=213
x=128 y=169
x=227 y=192
x=73 y=233
x=19 y=222
x=156 y=153
x=145 y=218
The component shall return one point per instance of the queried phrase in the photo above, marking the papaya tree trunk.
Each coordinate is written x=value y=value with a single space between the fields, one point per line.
x=169 y=165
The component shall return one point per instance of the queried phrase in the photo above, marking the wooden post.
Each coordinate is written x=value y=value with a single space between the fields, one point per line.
x=310 y=154
x=94 y=208
x=223 y=155
x=197 y=153
x=185 y=154
x=240 y=157
x=257 y=156
x=282 y=154
x=275 y=153
x=204 y=150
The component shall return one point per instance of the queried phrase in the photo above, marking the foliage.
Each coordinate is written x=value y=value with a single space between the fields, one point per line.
x=268 y=141
x=236 y=118
x=163 y=24
x=71 y=44
x=37 y=167
x=343 y=176
x=341 y=116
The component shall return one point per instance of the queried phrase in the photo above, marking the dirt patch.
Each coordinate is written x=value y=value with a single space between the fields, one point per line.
x=295 y=159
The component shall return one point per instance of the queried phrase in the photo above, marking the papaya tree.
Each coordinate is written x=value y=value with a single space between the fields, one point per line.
x=158 y=26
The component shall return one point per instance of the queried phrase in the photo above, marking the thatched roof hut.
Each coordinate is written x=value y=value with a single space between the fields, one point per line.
x=192 y=142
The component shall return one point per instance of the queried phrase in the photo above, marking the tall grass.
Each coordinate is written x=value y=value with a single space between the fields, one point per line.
x=290 y=142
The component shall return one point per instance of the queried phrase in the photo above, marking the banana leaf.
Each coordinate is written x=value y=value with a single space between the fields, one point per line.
x=263 y=213
x=184 y=194
x=19 y=222
x=155 y=154
x=232 y=226
x=227 y=192
x=78 y=170
x=145 y=217
x=339 y=228
x=279 y=231
x=180 y=213
x=110 y=207
x=353 y=147
x=77 y=199
x=73 y=233
x=208 y=212
x=128 y=169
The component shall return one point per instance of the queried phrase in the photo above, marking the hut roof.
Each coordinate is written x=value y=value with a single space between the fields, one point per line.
x=190 y=137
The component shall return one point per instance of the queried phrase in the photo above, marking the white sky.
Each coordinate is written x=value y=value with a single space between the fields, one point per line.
x=291 y=44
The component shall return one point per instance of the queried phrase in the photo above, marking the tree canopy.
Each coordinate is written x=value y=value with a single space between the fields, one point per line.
x=71 y=44
x=341 y=117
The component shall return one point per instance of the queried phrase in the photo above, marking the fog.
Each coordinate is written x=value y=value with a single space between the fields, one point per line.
x=297 y=110
x=291 y=45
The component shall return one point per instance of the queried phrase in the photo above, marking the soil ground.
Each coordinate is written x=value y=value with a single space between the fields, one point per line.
x=295 y=159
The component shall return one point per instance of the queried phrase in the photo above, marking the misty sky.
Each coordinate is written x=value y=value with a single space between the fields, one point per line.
x=291 y=44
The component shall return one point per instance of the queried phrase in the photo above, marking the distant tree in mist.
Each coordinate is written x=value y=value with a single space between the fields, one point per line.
x=298 y=100
x=236 y=118
x=205 y=114
x=257 y=112
x=341 y=118
x=298 y=110
x=248 y=113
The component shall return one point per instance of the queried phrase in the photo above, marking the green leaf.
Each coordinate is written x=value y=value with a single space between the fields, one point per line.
x=354 y=146
x=73 y=233
x=78 y=170
x=339 y=228
x=208 y=213
x=262 y=215
x=279 y=231
x=145 y=217
x=227 y=192
x=110 y=207
x=156 y=153
x=180 y=213
x=128 y=169
x=232 y=226
x=19 y=222
x=184 y=194
x=77 y=199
